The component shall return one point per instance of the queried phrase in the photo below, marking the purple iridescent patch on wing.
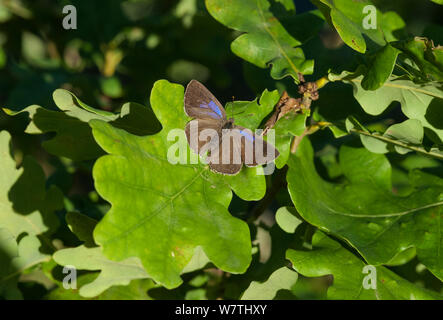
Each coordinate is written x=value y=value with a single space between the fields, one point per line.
x=215 y=108
x=216 y=114
x=247 y=135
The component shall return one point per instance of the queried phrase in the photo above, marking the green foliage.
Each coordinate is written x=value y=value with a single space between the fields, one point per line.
x=165 y=219
x=90 y=119
x=281 y=279
x=329 y=257
x=286 y=219
x=418 y=101
x=111 y=273
x=26 y=205
x=364 y=211
x=263 y=30
x=347 y=18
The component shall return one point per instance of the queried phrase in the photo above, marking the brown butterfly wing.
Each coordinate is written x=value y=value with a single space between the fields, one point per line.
x=217 y=165
x=201 y=125
x=200 y=103
x=255 y=151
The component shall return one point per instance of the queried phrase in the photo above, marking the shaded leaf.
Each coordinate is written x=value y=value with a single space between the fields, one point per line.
x=265 y=40
x=14 y=259
x=112 y=272
x=418 y=101
x=25 y=204
x=136 y=290
x=380 y=68
x=329 y=257
x=82 y=226
x=73 y=137
x=348 y=18
x=401 y=137
x=364 y=211
x=391 y=24
x=426 y=56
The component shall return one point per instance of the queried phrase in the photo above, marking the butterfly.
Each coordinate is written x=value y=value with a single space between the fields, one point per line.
x=227 y=145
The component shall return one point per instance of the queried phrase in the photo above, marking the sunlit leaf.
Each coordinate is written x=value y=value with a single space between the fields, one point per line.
x=282 y=279
x=162 y=218
x=286 y=219
x=112 y=272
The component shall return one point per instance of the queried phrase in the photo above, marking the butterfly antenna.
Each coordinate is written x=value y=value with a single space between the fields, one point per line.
x=232 y=109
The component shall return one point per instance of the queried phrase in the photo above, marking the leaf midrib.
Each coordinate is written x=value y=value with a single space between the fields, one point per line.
x=404 y=87
x=260 y=10
x=157 y=211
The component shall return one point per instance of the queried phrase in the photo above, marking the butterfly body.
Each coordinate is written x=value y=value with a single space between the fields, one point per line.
x=228 y=145
x=229 y=124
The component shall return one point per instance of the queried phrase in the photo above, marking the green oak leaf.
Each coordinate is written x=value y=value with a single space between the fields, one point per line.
x=348 y=18
x=136 y=290
x=281 y=279
x=16 y=258
x=364 y=211
x=35 y=52
x=275 y=241
x=82 y=226
x=73 y=137
x=392 y=23
x=287 y=219
x=25 y=203
x=290 y=125
x=368 y=139
x=8 y=251
x=161 y=218
x=380 y=68
x=409 y=132
x=198 y=261
x=403 y=257
x=250 y=114
x=112 y=272
x=196 y=294
x=425 y=55
x=265 y=40
x=401 y=137
x=329 y=257
x=418 y=101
